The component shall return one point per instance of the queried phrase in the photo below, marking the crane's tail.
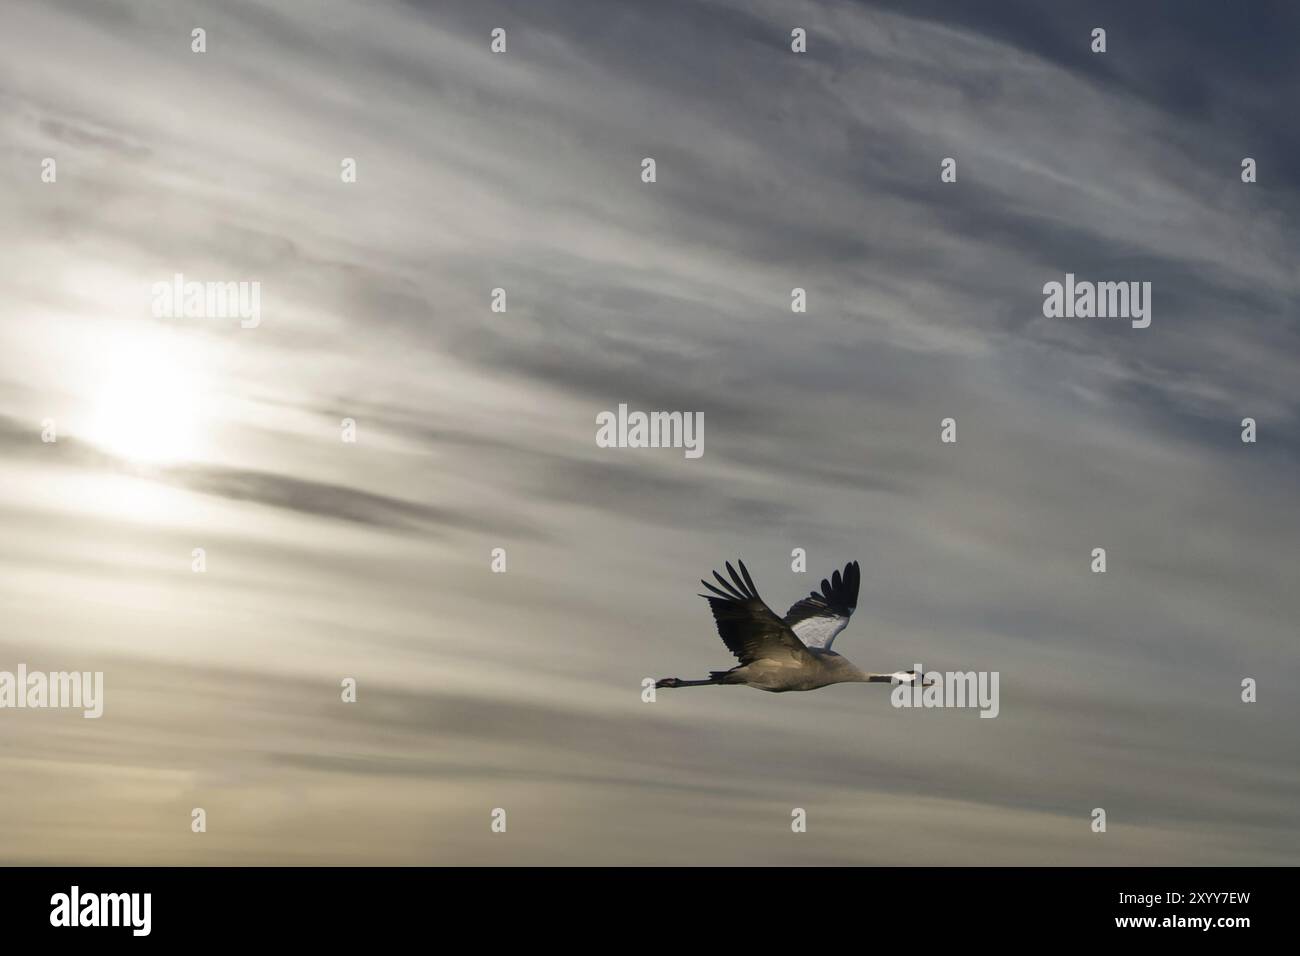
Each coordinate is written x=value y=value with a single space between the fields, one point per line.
x=715 y=677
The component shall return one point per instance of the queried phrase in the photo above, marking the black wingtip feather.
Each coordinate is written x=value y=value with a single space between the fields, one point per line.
x=716 y=592
x=739 y=588
x=740 y=585
x=726 y=586
x=840 y=590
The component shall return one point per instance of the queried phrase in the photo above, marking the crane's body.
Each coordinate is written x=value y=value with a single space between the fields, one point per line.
x=791 y=653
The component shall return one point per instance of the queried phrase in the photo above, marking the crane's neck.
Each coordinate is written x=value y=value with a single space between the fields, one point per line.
x=843 y=671
x=897 y=677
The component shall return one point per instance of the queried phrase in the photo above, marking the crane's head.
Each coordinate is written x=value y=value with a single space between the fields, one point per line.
x=911 y=677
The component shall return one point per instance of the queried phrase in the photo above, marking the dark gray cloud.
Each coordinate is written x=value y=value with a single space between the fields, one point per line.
x=316 y=498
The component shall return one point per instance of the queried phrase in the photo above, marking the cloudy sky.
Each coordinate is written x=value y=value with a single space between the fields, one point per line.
x=476 y=429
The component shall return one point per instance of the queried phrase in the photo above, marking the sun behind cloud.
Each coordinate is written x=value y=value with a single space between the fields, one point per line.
x=149 y=405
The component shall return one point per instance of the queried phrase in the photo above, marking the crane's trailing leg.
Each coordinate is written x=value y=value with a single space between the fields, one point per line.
x=678 y=682
x=715 y=677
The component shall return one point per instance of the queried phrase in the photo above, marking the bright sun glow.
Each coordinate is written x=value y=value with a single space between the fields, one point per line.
x=147 y=407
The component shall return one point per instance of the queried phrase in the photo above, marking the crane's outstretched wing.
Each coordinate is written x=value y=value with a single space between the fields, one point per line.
x=750 y=629
x=818 y=618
